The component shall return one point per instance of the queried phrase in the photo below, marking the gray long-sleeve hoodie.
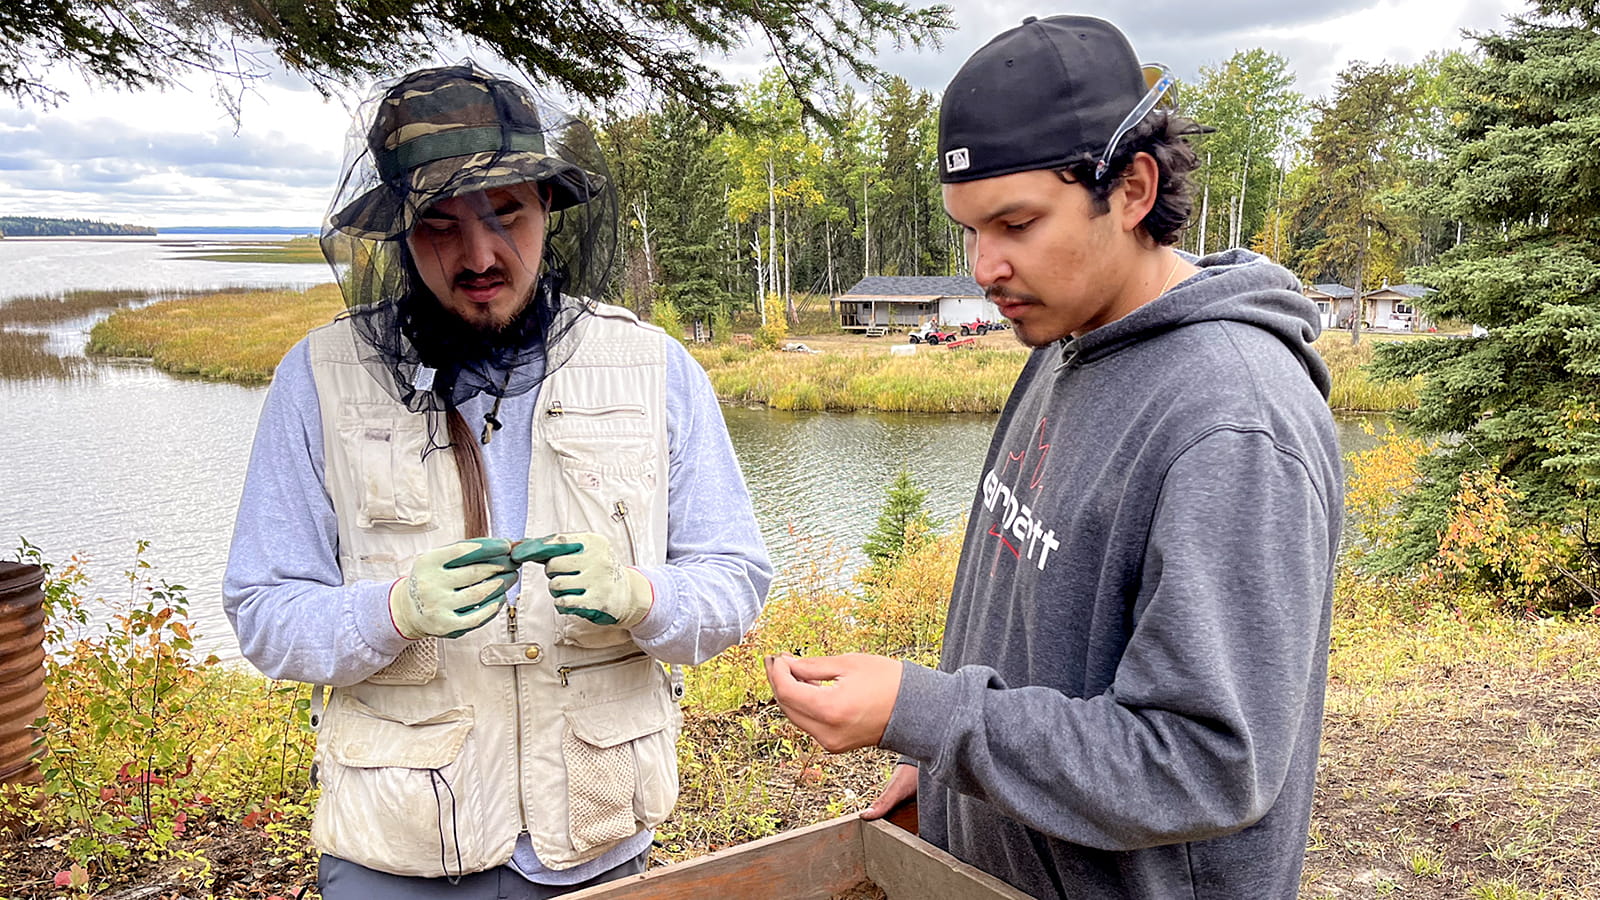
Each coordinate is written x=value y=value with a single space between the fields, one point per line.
x=1130 y=696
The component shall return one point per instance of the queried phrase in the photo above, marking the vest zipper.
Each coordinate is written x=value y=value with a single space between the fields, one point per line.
x=620 y=514
x=516 y=697
x=564 y=671
x=557 y=409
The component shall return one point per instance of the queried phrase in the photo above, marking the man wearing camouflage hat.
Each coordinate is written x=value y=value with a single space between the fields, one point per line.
x=494 y=715
x=1129 y=697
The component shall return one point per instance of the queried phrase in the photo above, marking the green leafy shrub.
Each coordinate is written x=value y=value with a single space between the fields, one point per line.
x=664 y=314
x=144 y=738
x=776 y=328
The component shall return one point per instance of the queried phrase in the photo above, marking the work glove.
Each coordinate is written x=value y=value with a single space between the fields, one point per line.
x=587 y=579
x=453 y=589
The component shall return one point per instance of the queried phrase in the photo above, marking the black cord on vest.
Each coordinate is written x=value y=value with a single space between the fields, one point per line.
x=435 y=778
x=490 y=423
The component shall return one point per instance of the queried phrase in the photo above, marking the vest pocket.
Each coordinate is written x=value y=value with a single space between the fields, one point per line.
x=607 y=481
x=622 y=767
x=390 y=798
x=385 y=447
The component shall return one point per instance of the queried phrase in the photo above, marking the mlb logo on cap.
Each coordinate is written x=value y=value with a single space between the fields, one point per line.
x=956 y=160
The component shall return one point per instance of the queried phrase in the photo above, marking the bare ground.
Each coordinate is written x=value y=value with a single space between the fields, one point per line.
x=1472 y=780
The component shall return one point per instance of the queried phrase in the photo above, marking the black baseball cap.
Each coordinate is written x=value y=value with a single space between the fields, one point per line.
x=1049 y=93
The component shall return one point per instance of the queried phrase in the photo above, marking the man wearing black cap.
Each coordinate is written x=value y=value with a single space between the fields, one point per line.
x=478 y=741
x=1129 y=698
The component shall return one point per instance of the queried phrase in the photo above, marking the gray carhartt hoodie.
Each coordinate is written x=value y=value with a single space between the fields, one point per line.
x=1130 y=695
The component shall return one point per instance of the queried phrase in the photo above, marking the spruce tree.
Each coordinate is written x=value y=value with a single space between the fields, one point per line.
x=902 y=517
x=1523 y=400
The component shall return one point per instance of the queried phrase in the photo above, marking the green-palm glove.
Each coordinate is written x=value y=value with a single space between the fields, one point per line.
x=587 y=579
x=453 y=589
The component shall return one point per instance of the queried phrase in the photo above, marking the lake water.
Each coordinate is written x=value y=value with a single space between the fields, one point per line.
x=54 y=265
x=92 y=464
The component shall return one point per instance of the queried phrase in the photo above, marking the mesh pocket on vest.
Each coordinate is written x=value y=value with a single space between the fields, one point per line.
x=417 y=664
x=600 y=786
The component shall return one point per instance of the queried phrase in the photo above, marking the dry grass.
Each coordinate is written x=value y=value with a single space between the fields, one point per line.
x=44 y=309
x=22 y=356
x=867 y=377
x=1461 y=750
x=229 y=336
x=303 y=249
x=1459 y=753
x=1353 y=390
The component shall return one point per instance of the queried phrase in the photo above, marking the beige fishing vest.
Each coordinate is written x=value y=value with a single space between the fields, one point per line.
x=532 y=723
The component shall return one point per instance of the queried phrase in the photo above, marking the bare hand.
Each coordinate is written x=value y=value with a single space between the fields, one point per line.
x=842 y=701
x=902 y=786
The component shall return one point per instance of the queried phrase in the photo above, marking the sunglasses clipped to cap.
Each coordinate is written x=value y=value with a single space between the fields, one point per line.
x=1163 y=91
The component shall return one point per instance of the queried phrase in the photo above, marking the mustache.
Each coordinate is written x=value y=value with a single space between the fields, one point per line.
x=1001 y=292
x=493 y=272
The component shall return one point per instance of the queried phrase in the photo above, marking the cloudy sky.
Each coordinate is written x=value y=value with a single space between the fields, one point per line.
x=176 y=159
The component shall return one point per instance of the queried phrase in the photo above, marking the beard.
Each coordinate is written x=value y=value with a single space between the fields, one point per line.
x=445 y=340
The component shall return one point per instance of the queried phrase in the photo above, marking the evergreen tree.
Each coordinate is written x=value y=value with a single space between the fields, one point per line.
x=1523 y=401
x=591 y=48
x=899 y=203
x=688 y=179
x=902 y=518
x=625 y=139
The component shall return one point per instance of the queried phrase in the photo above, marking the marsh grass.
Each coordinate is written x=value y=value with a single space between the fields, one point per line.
x=237 y=336
x=47 y=309
x=240 y=336
x=304 y=249
x=23 y=356
x=1353 y=389
x=22 y=351
x=969 y=381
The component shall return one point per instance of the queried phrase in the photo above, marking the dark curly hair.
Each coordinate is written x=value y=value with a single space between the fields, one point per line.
x=1162 y=135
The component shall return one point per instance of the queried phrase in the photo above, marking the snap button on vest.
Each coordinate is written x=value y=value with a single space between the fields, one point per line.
x=534 y=652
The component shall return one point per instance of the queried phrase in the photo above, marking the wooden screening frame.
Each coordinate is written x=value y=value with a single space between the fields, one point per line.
x=815 y=863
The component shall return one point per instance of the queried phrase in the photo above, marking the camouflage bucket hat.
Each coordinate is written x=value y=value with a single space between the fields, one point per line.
x=440 y=133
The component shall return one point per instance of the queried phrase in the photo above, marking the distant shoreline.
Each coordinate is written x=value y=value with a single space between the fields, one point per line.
x=242 y=237
x=240 y=229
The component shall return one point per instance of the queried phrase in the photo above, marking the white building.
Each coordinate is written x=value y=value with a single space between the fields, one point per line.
x=902 y=302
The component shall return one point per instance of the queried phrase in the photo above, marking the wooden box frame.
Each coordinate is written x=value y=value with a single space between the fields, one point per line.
x=815 y=863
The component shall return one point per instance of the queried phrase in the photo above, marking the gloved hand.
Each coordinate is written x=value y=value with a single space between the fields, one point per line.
x=587 y=579
x=453 y=589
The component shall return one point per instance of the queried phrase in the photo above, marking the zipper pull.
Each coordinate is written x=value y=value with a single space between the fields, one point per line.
x=554 y=410
x=621 y=511
x=563 y=672
x=511 y=620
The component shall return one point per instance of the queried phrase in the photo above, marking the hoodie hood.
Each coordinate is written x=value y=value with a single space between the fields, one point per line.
x=1231 y=286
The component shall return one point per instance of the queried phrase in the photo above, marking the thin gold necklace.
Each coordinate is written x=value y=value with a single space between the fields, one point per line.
x=1176 y=260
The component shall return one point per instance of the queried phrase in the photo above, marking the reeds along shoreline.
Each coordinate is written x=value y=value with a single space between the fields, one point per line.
x=976 y=381
x=241 y=335
x=1353 y=390
x=236 y=336
x=46 y=309
x=23 y=356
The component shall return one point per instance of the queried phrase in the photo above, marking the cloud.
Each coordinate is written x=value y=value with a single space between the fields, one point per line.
x=177 y=156
x=1317 y=39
